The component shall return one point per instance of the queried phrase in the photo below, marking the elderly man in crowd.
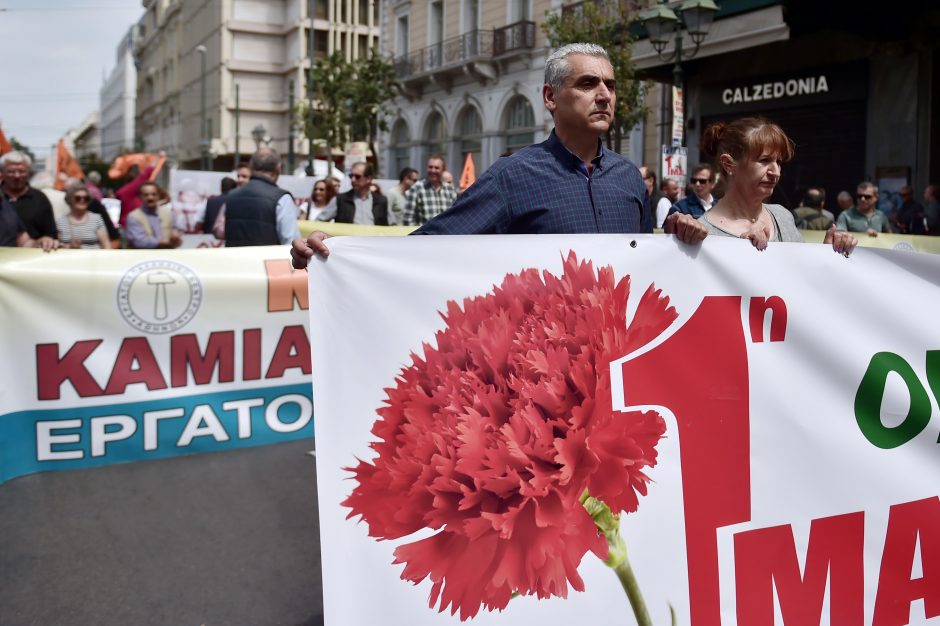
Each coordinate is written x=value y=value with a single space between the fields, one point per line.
x=151 y=225
x=864 y=218
x=32 y=205
x=569 y=183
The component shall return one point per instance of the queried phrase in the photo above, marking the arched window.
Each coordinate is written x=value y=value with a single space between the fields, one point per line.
x=400 y=148
x=470 y=136
x=434 y=136
x=519 y=126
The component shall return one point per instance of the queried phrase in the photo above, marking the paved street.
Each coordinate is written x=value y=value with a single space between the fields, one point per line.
x=227 y=538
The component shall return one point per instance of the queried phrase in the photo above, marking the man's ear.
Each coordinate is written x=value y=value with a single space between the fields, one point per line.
x=548 y=97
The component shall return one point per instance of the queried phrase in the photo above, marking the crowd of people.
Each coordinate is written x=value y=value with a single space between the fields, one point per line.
x=858 y=213
x=570 y=183
x=27 y=218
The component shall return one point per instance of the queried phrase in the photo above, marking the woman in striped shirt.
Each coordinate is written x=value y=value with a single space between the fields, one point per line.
x=80 y=228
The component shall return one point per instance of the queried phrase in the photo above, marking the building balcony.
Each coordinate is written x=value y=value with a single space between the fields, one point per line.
x=513 y=38
x=474 y=53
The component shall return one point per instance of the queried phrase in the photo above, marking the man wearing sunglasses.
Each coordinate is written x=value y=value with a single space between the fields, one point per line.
x=701 y=200
x=359 y=205
x=865 y=217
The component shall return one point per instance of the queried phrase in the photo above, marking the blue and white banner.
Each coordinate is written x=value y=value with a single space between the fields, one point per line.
x=114 y=356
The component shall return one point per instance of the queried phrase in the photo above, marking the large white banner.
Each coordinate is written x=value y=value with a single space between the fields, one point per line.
x=764 y=422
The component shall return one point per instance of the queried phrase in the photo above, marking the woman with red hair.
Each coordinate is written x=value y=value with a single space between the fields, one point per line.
x=749 y=152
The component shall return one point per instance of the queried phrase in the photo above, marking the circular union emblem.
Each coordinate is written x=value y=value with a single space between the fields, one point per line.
x=904 y=245
x=159 y=296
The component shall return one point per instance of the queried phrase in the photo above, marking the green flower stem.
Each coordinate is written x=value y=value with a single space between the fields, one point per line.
x=632 y=587
x=609 y=524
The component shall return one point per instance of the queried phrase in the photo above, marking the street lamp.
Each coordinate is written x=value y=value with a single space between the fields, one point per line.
x=664 y=23
x=204 y=142
x=259 y=134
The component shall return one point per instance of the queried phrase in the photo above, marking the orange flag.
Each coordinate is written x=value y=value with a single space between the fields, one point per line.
x=66 y=166
x=157 y=167
x=469 y=174
x=4 y=144
x=123 y=164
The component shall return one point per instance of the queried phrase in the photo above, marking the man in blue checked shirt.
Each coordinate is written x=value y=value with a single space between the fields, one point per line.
x=569 y=183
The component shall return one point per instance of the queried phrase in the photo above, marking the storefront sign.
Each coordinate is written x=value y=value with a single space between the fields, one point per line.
x=778 y=89
x=805 y=87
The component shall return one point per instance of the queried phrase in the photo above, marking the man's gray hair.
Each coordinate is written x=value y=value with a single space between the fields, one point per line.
x=16 y=157
x=556 y=67
x=872 y=187
x=94 y=177
x=265 y=160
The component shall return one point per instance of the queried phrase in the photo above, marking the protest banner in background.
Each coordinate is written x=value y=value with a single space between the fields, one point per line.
x=189 y=190
x=773 y=442
x=675 y=166
x=133 y=354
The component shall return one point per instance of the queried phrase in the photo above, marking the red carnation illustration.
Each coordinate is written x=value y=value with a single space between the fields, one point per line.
x=503 y=439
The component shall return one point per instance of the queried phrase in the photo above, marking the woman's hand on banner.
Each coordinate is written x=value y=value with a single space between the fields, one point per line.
x=842 y=241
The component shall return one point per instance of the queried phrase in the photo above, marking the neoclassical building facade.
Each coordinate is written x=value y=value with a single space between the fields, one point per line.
x=472 y=74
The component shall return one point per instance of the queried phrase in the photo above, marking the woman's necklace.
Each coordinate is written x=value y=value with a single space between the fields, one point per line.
x=733 y=220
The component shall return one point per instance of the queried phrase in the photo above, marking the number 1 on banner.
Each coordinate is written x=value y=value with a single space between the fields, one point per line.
x=712 y=415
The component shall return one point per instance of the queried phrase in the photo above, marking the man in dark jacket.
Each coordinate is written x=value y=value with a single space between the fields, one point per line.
x=359 y=205
x=261 y=213
x=701 y=199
